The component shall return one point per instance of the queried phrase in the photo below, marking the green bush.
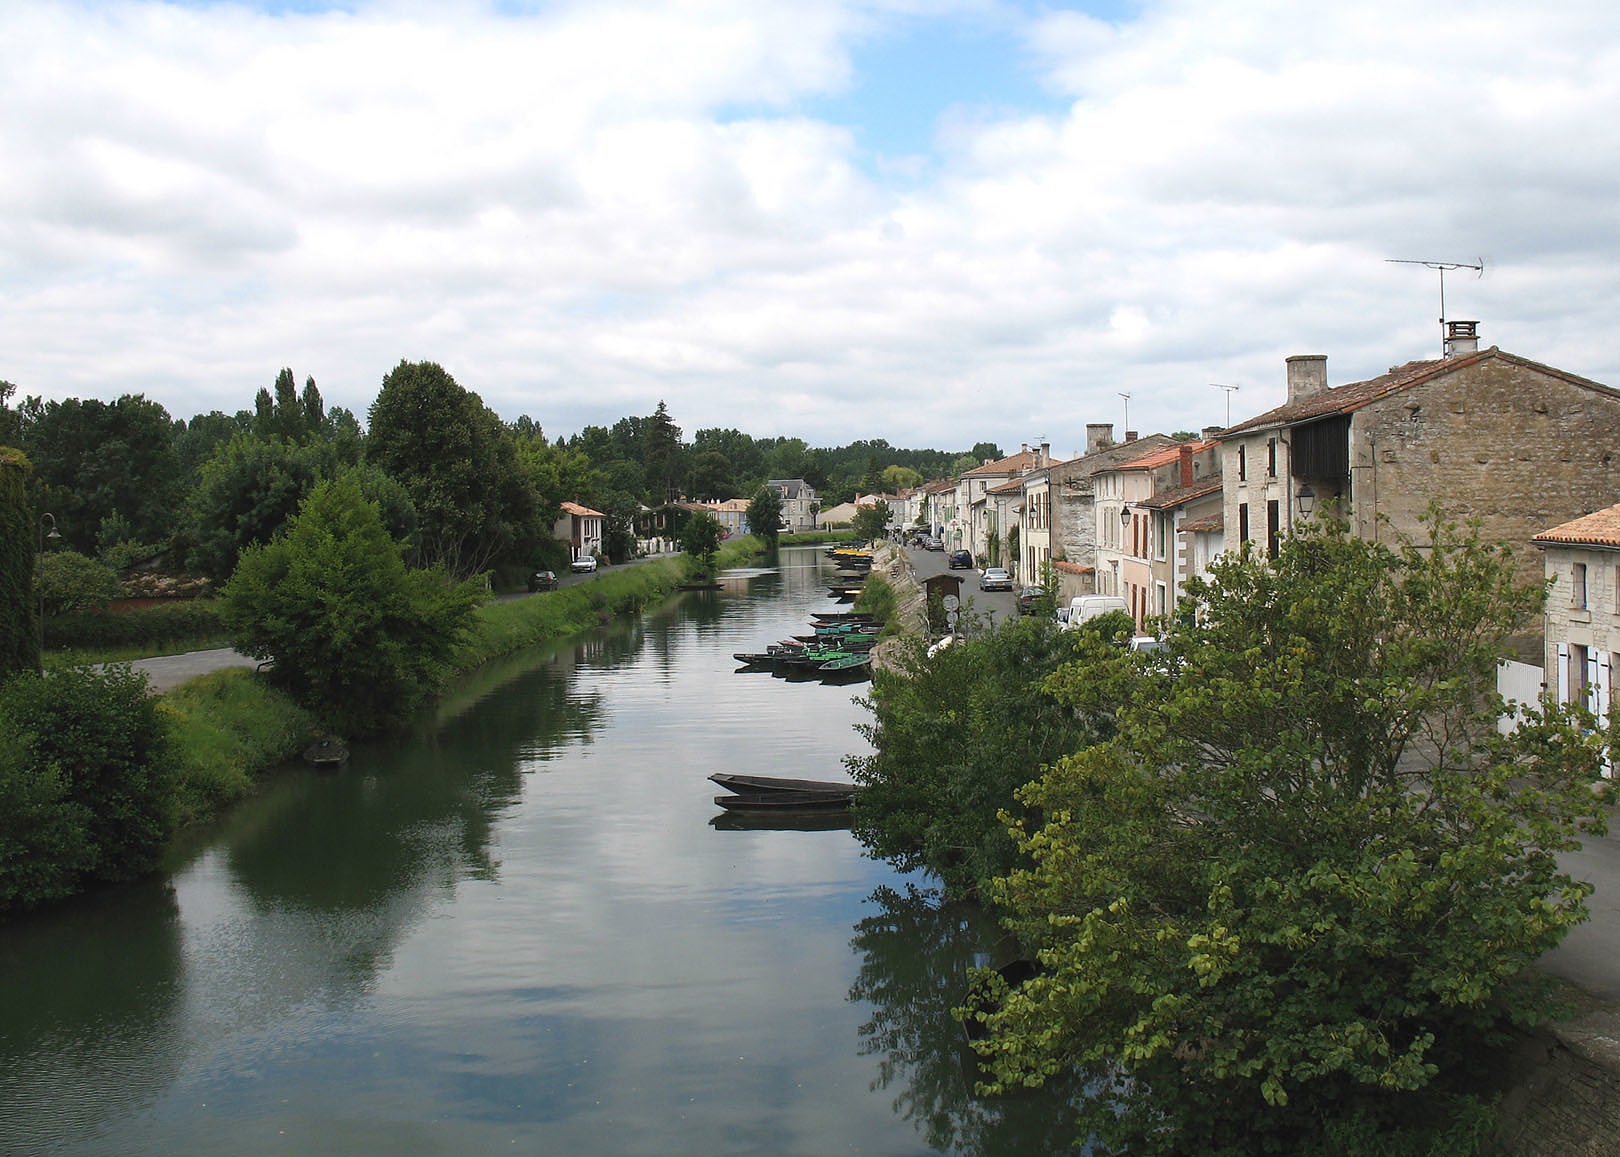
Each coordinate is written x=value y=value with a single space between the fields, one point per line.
x=191 y=621
x=69 y=581
x=93 y=763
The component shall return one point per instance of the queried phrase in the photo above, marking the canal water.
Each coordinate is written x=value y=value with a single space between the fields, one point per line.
x=526 y=928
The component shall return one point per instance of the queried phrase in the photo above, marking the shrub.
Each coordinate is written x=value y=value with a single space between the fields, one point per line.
x=93 y=755
x=191 y=620
x=70 y=581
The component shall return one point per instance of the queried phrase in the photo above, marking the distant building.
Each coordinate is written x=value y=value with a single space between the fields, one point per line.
x=799 y=503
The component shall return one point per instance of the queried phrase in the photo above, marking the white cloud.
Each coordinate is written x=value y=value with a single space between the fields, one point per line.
x=585 y=209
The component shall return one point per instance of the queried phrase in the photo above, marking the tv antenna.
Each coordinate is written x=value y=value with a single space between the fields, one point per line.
x=1478 y=266
x=1127 y=398
x=1230 y=390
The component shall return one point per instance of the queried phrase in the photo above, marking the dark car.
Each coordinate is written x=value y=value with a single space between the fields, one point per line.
x=542 y=580
x=1028 y=598
x=959 y=560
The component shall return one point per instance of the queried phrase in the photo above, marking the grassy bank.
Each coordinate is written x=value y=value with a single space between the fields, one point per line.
x=232 y=725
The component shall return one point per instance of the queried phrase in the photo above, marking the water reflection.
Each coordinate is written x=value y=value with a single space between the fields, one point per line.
x=915 y=954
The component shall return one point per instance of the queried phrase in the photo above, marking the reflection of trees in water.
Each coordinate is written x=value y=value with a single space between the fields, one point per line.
x=916 y=955
x=88 y=1018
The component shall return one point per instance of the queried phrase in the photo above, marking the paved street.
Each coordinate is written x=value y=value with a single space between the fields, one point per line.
x=997 y=605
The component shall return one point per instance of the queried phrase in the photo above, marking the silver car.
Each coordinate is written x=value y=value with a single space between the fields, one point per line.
x=996 y=578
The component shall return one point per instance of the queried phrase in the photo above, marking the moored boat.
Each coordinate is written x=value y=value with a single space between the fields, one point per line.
x=761 y=784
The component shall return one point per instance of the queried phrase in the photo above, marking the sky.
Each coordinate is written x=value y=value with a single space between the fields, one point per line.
x=935 y=222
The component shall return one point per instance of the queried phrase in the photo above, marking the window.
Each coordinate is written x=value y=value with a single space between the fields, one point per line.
x=1578 y=587
x=1271 y=458
x=1273 y=528
x=1243 y=522
x=1243 y=466
x=1579 y=686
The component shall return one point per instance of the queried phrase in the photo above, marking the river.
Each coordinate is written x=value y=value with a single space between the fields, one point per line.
x=525 y=927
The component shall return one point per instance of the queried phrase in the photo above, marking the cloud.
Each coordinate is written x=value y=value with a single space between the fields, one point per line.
x=580 y=209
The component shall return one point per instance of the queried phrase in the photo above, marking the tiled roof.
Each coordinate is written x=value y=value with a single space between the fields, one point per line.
x=1349 y=398
x=1012 y=464
x=1012 y=486
x=1166 y=499
x=579 y=511
x=1600 y=528
x=1071 y=567
x=1202 y=525
x=1163 y=457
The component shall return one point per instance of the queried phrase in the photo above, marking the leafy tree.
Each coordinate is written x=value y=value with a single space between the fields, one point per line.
x=711 y=478
x=243 y=496
x=19 y=636
x=459 y=464
x=955 y=735
x=96 y=768
x=619 y=512
x=1305 y=879
x=68 y=581
x=700 y=539
x=8 y=417
x=765 y=514
x=898 y=478
x=871 y=521
x=664 y=457
x=352 y=633
x=744 y=454
x=95 y=459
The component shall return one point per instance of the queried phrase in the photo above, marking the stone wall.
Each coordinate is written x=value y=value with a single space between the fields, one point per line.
x=1565 y=1101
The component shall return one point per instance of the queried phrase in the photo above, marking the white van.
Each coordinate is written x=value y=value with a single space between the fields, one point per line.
x=1084 y=607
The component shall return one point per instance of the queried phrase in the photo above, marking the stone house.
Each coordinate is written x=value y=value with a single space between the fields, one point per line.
x=799 y=504
x=972 y=528
x=1484 y=433
x=1582 y=560
x=1137 y=523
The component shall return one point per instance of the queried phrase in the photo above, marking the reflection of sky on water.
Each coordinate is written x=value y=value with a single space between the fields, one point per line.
x=520 y=929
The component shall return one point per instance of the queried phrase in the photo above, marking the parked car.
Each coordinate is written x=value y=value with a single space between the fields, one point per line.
x=996 y=578
x=584 y=564
x=1028 y=597
x=543 y=580
x=933 y=542
x=959 y=560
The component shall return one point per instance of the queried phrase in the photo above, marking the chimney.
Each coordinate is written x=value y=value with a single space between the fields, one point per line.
x=1307 y=376
x=1046 y=453
x=1099 y=436
x=1130 y=435
x=1211 y=433
x=1462 y=337
x=1186 y=464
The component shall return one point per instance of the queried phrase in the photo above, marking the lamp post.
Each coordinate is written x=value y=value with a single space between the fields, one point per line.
x=1307 y=500
x=47 y=531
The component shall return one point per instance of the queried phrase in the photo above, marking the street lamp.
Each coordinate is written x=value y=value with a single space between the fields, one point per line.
x=47 y=531
x=1307 y=500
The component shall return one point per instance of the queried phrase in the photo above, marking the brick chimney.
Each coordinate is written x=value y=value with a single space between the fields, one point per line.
x=1307 y=375
x=1186 y=451
x=1099 y=436
x=1462 y=337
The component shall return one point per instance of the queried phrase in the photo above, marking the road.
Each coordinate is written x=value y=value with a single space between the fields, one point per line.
x=996 y=605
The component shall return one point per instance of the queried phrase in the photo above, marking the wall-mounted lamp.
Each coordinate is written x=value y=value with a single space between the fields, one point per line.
x=1307 y=500
x=1124 y=515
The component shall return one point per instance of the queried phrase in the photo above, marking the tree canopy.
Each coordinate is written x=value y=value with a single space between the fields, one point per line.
x=1305 y=877
x=765 y=514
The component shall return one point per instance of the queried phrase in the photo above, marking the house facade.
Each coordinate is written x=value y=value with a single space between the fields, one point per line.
x=799 y=504
x=581 y=528
x=1581 y=559
x=1483 y=433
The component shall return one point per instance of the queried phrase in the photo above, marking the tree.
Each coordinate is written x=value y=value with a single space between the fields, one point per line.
x=664 y=457
x=619 y=512
x=459 y=464
x=898 y=478
x=243 y=496
x=352 y=633
x=765 y=515
x=871 y=521
x=97 y=459
x=1306 y=877
x=711 y=478
x=19 y=633
x=700 y=539
x=67 y=581
x=954 y=736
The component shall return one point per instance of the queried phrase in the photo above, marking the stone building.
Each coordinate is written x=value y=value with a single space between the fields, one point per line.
x=1582 y=561
x=1483 y=433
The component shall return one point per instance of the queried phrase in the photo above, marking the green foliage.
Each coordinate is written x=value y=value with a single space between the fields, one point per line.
x=189 y=623
x=700 y=539
x=955 y=736
x=871 y=521
x=458 y=462
x=878 y=599
x=1303 y=881
x=229 y=726
x=19 y=629
x=89 y=771
x=353 y=634
x=68 y=582
x=93 y=460
x=765 y=515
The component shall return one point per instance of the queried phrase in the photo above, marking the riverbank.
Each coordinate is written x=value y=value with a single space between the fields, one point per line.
x=232 y=726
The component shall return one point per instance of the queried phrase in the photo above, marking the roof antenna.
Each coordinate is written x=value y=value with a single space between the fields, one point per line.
x=1230 y=390
x=1127 y=398
x=1477 y=265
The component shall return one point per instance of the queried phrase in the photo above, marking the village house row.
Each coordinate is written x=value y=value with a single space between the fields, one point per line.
x=1531 y=451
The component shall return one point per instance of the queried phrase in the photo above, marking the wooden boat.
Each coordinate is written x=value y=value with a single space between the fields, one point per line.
x=327 y=753
x=847 y=662
x=764 y=784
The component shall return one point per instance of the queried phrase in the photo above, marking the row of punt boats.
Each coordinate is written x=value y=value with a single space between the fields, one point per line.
x=840 y=644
